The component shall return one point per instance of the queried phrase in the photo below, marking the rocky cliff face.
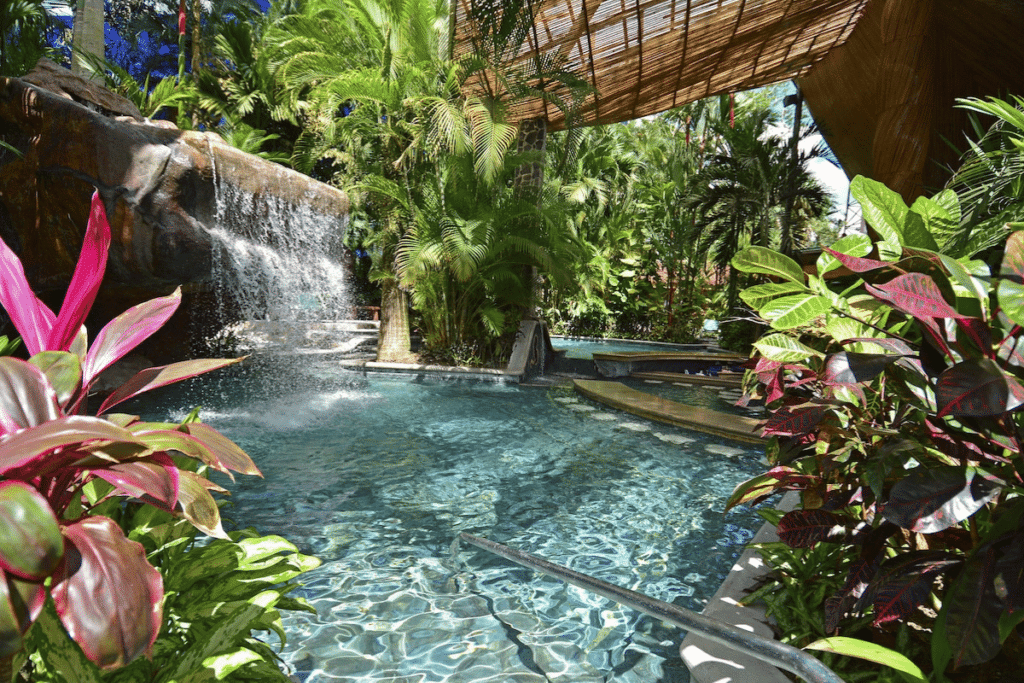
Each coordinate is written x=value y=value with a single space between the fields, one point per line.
x=159 y=185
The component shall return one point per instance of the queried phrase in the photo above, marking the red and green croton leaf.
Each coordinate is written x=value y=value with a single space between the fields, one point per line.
x=929 y=500
x=806 y=528
x=107 y=595
x=972 y=612
x=902 y=583
x=977 y=388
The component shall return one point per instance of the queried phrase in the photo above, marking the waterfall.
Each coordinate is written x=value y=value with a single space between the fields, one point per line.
x=279 y=266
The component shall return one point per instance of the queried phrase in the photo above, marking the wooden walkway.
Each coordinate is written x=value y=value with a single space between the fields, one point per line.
x=621 y=397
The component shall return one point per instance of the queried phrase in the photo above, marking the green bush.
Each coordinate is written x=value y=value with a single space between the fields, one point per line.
x=895 y=410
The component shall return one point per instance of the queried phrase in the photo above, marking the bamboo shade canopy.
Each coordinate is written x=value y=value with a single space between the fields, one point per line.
x=647 y=56
x=881 y=77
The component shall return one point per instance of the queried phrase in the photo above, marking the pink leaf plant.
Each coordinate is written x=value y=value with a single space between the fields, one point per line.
x=57 y=464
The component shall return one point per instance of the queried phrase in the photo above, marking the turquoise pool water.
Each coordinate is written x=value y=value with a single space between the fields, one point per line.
x=377 y=477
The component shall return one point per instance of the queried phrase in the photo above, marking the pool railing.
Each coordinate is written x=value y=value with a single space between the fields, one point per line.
x=781 y=655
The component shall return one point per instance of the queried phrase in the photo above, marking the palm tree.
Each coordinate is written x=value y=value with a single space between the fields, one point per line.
x=88 y=37
x=23 y=28
x=402 y=109
x=743 y=193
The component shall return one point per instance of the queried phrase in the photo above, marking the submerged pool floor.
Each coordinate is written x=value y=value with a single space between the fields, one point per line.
x=377 y=477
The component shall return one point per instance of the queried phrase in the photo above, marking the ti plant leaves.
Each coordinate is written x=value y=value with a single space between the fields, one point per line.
x=107 y=594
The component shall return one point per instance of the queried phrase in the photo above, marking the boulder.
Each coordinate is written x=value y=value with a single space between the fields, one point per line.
x=159 y=185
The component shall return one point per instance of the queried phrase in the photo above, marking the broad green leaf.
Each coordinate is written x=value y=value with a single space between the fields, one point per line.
x=49 y=639
x=768 y=262
x=759 y=295
x=63 y=370
x=30 y=540
x=883 y=208
x=226 y=663
x=223 y=639
x=795 y=310
x=968 y=279
x=915 y=233
x=1011 y=282
x=872 y=652
x=784 y=349
x=941 y=215
x=841 y=328
x=256 y=550
x=857 y=245
x=1008 y=621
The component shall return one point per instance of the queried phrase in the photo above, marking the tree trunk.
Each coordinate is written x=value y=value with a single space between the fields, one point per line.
x=529 y=184
x=394 y=344
x=88 y=36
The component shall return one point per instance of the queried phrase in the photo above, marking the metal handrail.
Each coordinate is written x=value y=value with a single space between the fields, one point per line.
x=787 y=657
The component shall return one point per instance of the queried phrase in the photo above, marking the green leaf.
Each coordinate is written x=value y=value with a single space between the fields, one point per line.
x=30 y=541
x=62 y=369
x=883 y=208
x=941 y=215
x=852 y=245
x=793 y=311
x=784 y=349
x=968 y=279
x=1008 y=621
x=768 y=262
x=226 y=663
x=62 y=655
x=862 y=649
x=759 y=295
x=915 y=233
x=1011 y=283
x=221 y=640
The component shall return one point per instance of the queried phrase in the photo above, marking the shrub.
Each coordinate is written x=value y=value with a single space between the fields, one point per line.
x=895 y=411
x=64 y=476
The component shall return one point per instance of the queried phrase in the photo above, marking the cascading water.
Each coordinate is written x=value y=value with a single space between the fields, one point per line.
x=279 y=267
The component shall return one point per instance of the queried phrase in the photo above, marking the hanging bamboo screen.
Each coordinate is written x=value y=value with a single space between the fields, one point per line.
x=646 y=56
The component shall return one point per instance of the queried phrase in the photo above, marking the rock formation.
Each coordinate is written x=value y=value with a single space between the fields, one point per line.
x=159 y=185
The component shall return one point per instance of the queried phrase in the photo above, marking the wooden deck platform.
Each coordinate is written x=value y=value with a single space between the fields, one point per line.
x=621 y=397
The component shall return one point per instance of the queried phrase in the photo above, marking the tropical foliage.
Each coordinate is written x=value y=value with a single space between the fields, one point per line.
x=894 y=410
x=65 y=560
x=24 y=32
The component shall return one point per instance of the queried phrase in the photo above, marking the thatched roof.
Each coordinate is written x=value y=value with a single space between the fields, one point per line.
x=880 y=76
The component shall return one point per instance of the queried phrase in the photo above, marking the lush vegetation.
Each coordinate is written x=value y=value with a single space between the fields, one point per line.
x=101 y=512
x=894 y=393
x=628 y=231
